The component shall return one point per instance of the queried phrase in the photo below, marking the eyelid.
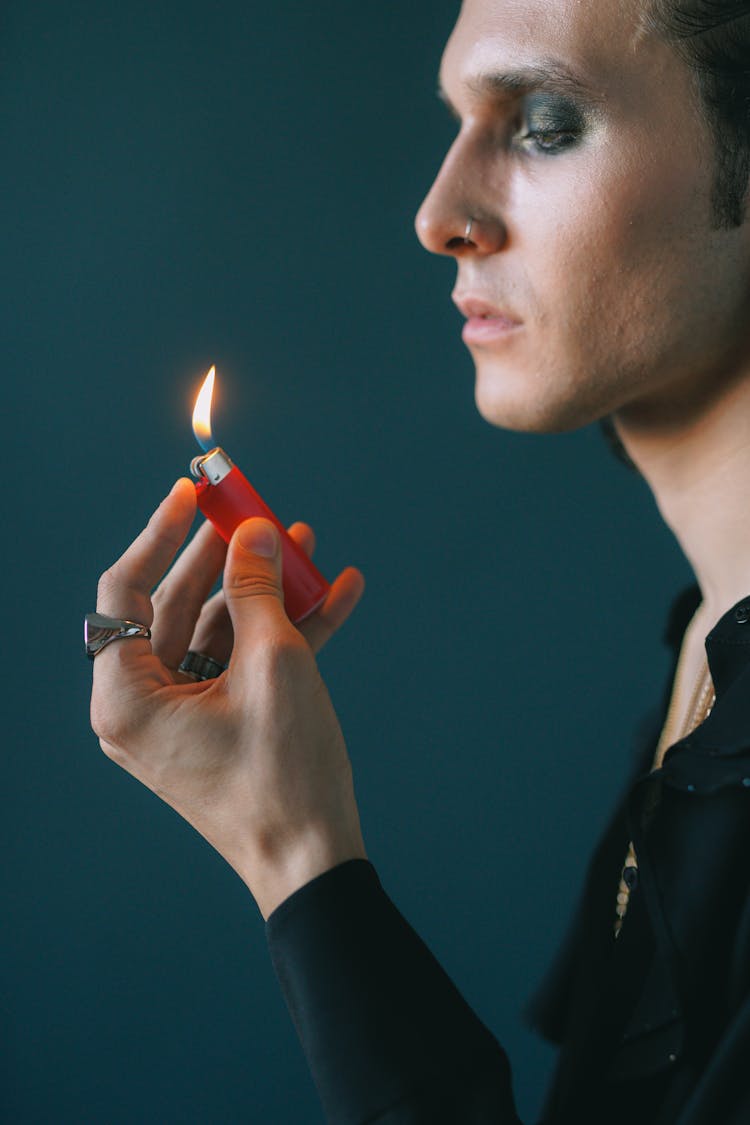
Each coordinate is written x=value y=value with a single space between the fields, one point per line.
x=524 y=102
x=554 y=107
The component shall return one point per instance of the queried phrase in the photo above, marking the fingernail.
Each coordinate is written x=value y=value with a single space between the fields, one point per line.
x=259 y=537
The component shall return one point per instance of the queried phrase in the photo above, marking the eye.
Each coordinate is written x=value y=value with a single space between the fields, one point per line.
x=548 y=141
x=549 y=125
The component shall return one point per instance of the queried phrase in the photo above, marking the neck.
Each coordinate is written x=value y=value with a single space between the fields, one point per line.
x=698 y=468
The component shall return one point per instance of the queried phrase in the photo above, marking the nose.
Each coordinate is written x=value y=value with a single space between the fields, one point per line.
x=453 y=219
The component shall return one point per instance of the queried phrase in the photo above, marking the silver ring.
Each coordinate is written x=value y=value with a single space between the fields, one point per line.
x=467 y=232
x=99 y=631
x=201 y=667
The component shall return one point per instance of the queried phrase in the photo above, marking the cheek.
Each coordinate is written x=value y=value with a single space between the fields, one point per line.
x=610 y=272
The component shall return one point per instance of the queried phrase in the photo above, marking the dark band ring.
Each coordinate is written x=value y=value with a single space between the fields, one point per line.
x=201 y=667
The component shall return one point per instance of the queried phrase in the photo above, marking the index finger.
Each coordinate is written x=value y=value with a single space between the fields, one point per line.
x=125 y=589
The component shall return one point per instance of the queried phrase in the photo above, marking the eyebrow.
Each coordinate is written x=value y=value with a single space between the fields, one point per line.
x=551 y=76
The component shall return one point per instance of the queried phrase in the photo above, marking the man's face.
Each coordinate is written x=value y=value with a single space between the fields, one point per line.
x=593 y=277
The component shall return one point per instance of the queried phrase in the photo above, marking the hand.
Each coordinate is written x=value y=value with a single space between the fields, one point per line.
x=255 y=760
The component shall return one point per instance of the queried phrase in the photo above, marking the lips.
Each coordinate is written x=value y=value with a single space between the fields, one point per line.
x=485 y=322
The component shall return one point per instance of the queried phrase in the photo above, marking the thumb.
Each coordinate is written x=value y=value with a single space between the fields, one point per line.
x=252 y=578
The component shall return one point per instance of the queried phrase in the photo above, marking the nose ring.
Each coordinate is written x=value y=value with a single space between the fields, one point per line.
x=467 y=232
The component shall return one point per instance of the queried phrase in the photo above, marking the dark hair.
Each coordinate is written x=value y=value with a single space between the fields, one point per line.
x=713 y=37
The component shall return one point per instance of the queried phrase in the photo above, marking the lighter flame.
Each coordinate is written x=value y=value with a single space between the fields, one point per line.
x=202 y=413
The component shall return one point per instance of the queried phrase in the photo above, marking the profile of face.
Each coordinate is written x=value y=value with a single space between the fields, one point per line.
x=593 y=278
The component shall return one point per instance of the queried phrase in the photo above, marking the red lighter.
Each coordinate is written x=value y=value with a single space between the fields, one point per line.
x=226 y=498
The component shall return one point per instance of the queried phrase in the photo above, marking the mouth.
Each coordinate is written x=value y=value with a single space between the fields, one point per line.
x=485 y=323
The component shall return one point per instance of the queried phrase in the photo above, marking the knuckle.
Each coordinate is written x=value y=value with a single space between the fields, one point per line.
x=161 y=594
x=107 y=729
x=111 y=751
x=107 y=583
x=252 y=586
x=113 y=726
x=113 y=585
x=282 y=652
x=287 y=651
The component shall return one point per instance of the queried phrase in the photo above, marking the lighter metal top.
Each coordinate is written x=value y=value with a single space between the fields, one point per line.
x=213 y=466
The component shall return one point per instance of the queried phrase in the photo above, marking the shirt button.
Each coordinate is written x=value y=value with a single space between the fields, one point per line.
x=742 y=614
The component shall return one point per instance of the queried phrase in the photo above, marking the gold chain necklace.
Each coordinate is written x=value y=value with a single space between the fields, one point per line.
x=701 y=705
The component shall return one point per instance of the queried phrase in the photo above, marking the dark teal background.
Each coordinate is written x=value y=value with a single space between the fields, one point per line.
x=236 y=183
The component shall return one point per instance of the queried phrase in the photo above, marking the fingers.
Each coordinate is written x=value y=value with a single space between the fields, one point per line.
x=125 y=589
x=122 y=669
x=345 y=593
x=343 y=597
x=179 y=599
x=304 y=536
x=252 y=583
x=250 y=577
x=214 y=635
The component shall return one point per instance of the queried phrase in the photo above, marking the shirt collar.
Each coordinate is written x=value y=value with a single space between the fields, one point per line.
x=727 y=728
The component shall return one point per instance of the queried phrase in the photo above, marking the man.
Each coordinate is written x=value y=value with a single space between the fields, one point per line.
x=594 y=200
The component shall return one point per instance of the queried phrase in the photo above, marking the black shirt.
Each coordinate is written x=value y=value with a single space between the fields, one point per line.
x=654 y=1028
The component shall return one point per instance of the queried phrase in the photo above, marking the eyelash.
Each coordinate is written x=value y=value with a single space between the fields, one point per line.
x=548 y=142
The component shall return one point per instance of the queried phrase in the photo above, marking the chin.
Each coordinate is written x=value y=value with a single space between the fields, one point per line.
x=524 y=404
x=522 y=414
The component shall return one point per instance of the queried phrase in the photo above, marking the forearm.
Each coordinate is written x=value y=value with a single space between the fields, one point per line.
x=388 y=1037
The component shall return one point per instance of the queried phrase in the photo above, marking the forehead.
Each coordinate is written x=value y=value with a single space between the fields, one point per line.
x=607 y=43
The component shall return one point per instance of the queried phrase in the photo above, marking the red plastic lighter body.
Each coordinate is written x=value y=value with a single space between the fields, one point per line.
x=226 y=498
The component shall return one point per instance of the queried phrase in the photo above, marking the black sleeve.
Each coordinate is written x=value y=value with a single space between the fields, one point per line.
x=387 y=1036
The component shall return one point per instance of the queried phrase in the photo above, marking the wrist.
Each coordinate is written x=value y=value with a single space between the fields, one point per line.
x=276 y=877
